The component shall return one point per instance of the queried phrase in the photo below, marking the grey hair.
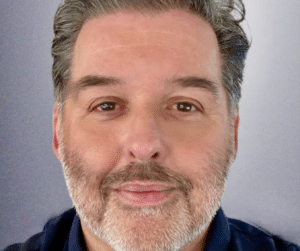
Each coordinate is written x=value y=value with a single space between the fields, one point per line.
x=224 y=16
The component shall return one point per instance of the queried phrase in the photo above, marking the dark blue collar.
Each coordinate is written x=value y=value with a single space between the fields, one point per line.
x=73 y=244
x=219 y=234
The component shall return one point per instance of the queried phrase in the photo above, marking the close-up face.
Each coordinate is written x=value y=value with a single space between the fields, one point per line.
x=145 y=137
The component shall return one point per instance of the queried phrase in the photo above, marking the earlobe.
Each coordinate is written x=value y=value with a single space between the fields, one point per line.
x=236 y=129
x=56 y=131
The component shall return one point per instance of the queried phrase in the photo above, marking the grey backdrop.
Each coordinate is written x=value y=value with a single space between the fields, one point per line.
x=263 y=187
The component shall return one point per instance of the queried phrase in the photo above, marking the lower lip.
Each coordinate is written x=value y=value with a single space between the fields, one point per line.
x=144 y=199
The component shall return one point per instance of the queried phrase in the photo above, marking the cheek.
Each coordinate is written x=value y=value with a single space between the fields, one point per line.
x=192 y=147
x=96 y=147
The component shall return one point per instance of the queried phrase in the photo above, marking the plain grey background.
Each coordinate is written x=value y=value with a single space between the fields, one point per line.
x=264 y=183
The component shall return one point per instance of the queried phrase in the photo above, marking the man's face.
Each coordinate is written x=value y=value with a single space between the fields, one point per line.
x=146 y=139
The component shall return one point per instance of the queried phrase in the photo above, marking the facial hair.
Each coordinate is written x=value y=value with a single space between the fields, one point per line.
x=170 y=226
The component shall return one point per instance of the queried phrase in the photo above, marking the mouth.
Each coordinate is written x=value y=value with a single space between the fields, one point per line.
x=144 y=193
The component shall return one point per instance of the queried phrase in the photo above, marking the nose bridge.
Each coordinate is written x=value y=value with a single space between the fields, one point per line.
x=144 y=141
x=145 y=127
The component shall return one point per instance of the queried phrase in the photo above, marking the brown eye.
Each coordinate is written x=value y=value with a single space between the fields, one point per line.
x=107 y=106
x=185 y=107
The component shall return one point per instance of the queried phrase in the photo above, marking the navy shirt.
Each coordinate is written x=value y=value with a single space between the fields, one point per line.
x=63 y=233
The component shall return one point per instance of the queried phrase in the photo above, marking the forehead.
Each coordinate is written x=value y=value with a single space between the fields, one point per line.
x=127 y=25
x=179 y=35
x=131 y=28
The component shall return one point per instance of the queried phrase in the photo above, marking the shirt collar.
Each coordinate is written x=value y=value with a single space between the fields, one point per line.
x=220 y=233
x=219 y=237
x=75 y=235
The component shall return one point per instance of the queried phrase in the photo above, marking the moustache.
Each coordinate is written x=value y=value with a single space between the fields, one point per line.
x=150 y=171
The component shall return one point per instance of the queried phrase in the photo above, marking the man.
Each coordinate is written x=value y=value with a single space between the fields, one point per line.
x=145 y=125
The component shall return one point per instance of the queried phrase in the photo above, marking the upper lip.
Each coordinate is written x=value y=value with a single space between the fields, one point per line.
x=144 y=186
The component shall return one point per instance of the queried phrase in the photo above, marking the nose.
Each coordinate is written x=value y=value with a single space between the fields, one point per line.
x=144 y=141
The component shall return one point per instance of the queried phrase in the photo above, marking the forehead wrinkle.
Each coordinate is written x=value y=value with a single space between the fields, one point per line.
x=183 y=41
x=181 y=33
x=104 y=36
x=142 y=45
x=174 y=34
x=185 y=20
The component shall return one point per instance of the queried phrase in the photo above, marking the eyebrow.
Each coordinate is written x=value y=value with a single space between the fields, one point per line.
x=198 y=82
x=98 y=80
x=92 y=80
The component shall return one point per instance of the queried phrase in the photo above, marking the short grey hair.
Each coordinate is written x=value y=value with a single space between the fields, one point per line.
x=225 y=17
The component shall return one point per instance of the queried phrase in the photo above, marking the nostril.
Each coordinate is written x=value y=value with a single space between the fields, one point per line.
x=155 y=155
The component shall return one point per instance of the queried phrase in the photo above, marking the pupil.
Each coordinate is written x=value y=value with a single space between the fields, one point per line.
x=184 y=107
x=108 y=106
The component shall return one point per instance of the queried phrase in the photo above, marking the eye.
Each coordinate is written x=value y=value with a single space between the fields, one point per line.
x=107 y=106
x=184 y=107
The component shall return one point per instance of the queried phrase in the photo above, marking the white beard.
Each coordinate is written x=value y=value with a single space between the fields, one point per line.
x=167 y=227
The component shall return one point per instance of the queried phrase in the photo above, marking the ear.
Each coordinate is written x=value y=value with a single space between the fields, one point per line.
x=56 y=130
x=236 y=130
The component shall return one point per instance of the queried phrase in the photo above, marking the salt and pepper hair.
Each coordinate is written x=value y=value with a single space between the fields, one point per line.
x=225 y=17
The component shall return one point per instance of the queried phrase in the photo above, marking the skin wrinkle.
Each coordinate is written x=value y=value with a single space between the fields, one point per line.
x=162 y=32
x=183 y=39
x=143 y=32
x=120 y=26
x=139 y=45
x=109 y=48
